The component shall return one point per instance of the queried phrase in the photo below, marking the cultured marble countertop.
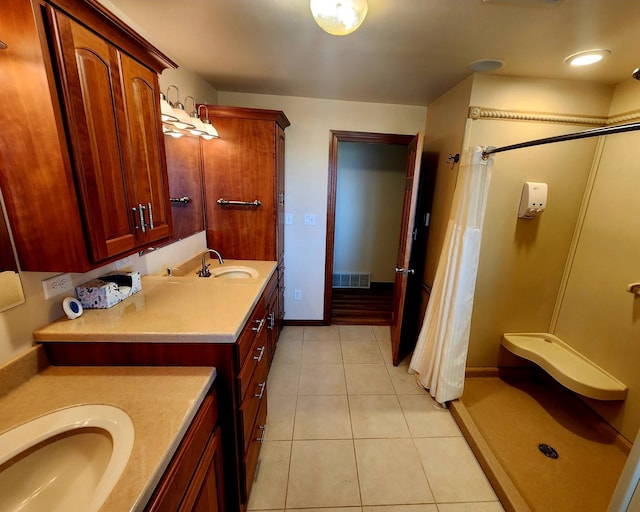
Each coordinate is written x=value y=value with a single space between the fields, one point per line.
x=160 y=401
x=172 y=309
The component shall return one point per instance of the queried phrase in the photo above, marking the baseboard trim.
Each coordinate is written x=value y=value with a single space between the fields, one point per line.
x=307 y=323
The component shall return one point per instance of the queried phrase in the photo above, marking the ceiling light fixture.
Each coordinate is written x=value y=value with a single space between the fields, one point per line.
x=339 y=17
x=586 y=57
x=485 y=65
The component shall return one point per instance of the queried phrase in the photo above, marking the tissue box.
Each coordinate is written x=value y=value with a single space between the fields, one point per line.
x=108 y=290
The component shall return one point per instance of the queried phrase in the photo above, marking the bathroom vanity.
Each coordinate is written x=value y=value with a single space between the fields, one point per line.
x=167 y=409
x=185 y=320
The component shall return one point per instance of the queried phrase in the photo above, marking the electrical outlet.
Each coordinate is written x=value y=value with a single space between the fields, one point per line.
x=297 y=294
x=310 y=219
x=57 y=285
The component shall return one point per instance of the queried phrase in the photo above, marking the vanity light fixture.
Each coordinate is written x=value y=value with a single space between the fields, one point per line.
x=199 y=129
x=171 y=131
x=339 y=17
x=166 y=110
x=587 y=57
x=212 y=133
x=183 y=120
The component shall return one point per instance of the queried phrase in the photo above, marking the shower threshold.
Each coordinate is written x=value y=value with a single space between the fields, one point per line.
x=510 y=417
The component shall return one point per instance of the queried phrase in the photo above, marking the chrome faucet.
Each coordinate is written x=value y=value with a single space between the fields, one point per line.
x=204 y=271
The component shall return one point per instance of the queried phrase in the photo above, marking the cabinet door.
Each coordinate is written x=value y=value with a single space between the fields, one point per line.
x=150 y=185
x=91 y=87
x=206 y=491
x=240 y=166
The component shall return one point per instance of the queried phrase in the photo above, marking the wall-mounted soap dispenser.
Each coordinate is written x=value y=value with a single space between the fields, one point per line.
x=533 y=200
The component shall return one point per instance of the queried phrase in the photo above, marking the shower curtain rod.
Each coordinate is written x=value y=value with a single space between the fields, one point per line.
x=593 y=132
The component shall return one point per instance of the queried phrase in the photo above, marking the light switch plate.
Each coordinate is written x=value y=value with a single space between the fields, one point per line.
x=288 y=218
x=310 y=219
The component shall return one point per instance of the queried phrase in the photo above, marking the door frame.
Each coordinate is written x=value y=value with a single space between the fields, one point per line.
x=338 y=136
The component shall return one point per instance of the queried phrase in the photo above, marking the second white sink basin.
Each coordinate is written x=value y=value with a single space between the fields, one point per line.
x=68 y=460
x=235 y=271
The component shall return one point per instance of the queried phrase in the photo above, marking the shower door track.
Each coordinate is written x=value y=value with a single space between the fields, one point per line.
x=585 y=134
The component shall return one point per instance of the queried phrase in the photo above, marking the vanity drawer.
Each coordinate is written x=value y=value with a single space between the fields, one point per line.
x=256 y=356
x=251 y=458
x=254 y=326
x=255 y=397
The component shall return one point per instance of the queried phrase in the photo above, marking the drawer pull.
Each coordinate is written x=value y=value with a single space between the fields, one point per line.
x=262 y=386
x=260 y=353
x=264 y=433
x=272 y=321
x=260 y=323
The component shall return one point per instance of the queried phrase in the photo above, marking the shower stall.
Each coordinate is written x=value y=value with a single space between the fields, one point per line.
x=565 y=273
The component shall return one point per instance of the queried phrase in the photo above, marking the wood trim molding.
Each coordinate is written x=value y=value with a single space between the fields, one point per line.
x=276 y=116
x=304 y=323
x=95 y=15
x=541 y=117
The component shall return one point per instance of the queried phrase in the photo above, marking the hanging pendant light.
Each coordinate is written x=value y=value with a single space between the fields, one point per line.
x=339 y=17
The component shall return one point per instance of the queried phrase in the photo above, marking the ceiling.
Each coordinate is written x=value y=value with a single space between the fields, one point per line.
x=406 y=51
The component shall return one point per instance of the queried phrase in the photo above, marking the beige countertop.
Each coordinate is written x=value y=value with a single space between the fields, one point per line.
x=160 y=401
x=172 y=309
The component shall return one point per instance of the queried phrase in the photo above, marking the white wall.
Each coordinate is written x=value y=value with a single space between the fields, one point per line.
x=369 y=196
x=306 y=177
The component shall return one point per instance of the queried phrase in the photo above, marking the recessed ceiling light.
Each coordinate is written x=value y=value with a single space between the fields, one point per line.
x=587 y=57
x=485 y=65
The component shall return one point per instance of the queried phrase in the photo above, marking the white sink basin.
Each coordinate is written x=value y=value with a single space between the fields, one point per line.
x=68 y=460
x=235 y=271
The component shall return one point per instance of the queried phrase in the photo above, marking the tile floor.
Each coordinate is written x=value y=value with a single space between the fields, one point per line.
x=348 y=431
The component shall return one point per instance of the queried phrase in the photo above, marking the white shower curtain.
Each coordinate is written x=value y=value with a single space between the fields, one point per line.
x=441 y=350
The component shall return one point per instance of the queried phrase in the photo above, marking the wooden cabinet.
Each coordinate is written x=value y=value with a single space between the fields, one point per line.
x=241 y=384
x=245 y=165
x=101 y=189
x=194 y=479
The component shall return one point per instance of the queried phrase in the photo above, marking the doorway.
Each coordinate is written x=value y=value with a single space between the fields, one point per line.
x=361 y=245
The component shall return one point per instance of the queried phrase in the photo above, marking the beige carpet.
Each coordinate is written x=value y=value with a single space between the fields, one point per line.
x=515 y=415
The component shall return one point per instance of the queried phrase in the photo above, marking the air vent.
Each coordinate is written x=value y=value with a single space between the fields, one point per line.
x=352 y=280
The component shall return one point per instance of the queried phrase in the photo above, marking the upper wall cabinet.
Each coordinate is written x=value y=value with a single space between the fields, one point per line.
x=85 y=176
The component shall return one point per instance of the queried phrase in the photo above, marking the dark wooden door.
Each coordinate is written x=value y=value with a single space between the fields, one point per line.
x=401 y=346
x=150 y=188
x=241 y=166
x=91 y=87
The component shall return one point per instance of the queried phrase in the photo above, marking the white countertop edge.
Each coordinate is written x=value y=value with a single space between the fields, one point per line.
x=146 y=493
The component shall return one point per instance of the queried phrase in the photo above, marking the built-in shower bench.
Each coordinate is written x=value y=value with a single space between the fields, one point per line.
x=566 y=365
